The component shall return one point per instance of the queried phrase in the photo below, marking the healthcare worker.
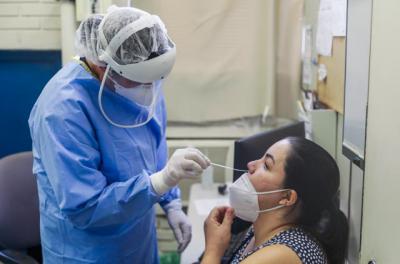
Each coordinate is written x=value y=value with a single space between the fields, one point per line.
x=99 y=145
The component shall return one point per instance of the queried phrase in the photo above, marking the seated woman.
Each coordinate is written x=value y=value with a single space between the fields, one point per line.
x=290 y=196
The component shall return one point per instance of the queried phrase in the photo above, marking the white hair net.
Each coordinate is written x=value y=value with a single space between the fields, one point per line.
x=86 y=39
x=140 y=46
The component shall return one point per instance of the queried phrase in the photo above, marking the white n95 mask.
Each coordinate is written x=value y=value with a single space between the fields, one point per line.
x=145 y=97
x=141 y=94
x=243 y=198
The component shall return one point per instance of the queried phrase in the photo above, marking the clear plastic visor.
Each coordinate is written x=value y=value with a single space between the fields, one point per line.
x=125 y=103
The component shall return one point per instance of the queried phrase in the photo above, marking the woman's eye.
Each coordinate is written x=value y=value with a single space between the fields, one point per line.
x=266 y=166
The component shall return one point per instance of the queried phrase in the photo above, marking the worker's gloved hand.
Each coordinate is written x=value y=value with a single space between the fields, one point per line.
x=187 y=163
x=179 y=223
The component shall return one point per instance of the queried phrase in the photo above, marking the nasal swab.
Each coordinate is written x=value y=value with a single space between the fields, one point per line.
x=226 y=167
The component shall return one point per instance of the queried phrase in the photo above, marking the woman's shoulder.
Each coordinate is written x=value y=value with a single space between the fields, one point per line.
x=306 y=246
x=293 y=245
x=272 y=254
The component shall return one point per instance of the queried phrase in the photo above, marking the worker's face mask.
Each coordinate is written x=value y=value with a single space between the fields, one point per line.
x=243 y=197
x=143 y=98
x=141 y=94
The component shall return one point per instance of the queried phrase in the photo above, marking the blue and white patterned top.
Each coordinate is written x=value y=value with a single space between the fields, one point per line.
x=307 y=248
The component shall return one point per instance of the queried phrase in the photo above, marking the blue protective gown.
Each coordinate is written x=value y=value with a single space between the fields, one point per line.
x=96 y=200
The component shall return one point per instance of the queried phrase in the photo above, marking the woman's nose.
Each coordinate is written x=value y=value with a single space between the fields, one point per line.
x=251 y=166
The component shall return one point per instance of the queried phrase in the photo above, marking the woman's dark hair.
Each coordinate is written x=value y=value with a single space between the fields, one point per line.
x=314 y=175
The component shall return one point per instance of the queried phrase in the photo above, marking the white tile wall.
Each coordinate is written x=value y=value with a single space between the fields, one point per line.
x=8 y=9
x=13 y=23
x=30 y=24
x=50 y=23
x=39 y=9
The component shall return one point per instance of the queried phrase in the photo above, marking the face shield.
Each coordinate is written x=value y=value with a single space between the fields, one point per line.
x=138 y=56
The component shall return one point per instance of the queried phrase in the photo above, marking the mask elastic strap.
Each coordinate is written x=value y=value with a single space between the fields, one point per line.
x=270 y=192
x=271 y=209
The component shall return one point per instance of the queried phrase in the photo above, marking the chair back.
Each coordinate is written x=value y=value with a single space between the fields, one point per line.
x=19 y=203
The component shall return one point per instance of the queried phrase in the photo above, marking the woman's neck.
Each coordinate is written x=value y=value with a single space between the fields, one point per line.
x=267 y=226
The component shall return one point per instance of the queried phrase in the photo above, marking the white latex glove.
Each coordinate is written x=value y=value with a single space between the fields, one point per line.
x=179 y=223
x=187 y=163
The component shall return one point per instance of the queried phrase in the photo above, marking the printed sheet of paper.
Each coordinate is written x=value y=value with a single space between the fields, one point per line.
x=339 y=17
x=331 y=22
x=324 y=32
x=306 y=51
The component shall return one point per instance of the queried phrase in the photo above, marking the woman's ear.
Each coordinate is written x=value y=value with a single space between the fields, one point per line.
x=289 y=198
